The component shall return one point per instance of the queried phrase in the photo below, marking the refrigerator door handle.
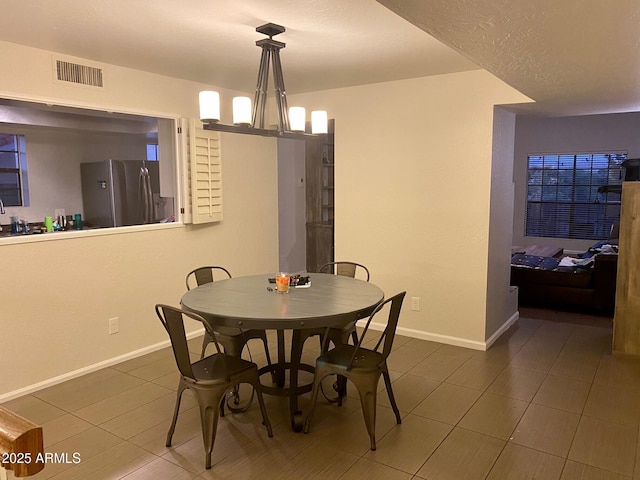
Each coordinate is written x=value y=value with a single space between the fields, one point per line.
x=145 y=197
x=148 y=197
x=112 y=195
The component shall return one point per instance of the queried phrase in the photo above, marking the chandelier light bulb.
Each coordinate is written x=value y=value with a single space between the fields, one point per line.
x=319 y=122
x=241 y=110
x=297 y=119
x=209 y=106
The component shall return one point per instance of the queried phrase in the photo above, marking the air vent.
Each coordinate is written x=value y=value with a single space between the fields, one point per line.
x=80 y=74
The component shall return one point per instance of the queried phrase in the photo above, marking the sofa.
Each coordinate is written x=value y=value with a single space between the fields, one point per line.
x=586 y=283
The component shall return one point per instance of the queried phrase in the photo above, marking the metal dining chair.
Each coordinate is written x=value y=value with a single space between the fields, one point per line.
x=233 y=340
x=363 y=367
x=346 y=269
x=341 y=335
x=209 y=378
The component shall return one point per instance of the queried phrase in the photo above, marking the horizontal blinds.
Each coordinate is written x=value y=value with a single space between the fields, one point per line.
x=11 y=173
x=573 y=196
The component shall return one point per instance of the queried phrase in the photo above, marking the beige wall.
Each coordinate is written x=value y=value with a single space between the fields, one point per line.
x=57 y=296
x=501 y=300
x=413 y=182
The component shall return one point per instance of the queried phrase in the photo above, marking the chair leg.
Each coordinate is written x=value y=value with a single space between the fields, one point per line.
x=341 y=382
x=337 y=337
x=321 y=339
x=314 y=397
x=392 y=400
x=209 y=423
x=232 y=347
x=266 y=353
x=263 y=409
x=181 y=388
x=222 y=402
x=367 y=389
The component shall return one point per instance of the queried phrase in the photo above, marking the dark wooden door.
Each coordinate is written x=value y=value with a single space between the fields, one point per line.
x=320 y=175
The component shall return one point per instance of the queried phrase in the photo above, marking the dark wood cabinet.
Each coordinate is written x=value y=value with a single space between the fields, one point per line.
x=320 y=175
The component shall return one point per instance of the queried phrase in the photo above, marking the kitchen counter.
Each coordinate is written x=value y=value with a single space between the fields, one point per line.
x=34 y=230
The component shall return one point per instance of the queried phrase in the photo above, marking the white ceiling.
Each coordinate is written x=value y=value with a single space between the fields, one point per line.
x=571 y=56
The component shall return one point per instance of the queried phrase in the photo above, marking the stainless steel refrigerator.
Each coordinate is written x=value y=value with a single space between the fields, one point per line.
x=117 y=193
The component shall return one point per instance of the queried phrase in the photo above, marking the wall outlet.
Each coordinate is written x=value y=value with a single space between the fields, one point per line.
x=114 y=326
x=415 y=304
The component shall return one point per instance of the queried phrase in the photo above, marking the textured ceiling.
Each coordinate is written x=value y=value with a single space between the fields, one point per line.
x=570 y=56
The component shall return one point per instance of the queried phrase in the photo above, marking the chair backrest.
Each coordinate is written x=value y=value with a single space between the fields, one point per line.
x=390 y=330
x=346 y=269
x=172 y=319
x=203 y=275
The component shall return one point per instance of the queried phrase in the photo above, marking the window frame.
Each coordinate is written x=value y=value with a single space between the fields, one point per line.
x=20 y=170
x=178 y=168
x=554 y=204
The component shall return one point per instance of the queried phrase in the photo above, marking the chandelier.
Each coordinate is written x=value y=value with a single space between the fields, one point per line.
x=250 y=119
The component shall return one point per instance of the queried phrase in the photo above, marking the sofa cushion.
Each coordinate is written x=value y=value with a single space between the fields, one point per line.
x=533 y=261
x=528 y=269
x=576 y=278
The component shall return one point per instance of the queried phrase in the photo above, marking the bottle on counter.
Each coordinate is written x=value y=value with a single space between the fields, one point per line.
x=15 y=224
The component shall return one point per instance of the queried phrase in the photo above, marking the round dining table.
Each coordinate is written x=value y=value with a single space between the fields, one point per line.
x=252 y=302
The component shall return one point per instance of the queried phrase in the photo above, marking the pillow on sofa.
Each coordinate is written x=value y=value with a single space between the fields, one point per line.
x=601 y=247
x=577 y=262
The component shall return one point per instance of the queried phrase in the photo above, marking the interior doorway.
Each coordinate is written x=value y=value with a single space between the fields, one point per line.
x=306 y=203
x=291 y=206
x=320 y=205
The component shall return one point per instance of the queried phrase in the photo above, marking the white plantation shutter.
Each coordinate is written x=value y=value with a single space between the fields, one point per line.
x=205 y=168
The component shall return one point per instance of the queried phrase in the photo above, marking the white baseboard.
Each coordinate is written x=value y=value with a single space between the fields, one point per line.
x=505 y=326
x=90 y=368
x=449 y=340
x=409 y=332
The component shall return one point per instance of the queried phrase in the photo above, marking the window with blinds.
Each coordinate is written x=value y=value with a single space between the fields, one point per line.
x=574 y=196
x=14 y=187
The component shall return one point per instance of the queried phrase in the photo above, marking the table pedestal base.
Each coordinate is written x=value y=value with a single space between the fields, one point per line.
x=279 y=370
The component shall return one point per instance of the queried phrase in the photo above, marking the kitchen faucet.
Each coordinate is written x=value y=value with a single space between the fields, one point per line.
x=2 y=207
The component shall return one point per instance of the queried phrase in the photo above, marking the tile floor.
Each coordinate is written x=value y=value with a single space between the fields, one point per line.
x=547 y=401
